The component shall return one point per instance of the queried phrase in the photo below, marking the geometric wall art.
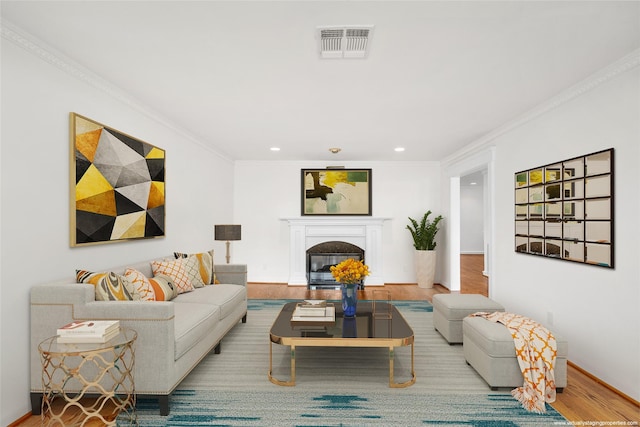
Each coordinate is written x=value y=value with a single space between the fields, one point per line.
x=117 y=185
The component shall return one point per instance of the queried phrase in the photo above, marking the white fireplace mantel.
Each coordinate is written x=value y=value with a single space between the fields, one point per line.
x=364 y=232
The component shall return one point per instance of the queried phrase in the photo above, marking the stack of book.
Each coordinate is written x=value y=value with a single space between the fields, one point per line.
x=88 y=331
x=314 y=311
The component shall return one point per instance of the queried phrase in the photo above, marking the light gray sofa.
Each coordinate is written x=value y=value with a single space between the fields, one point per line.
x=173 y=336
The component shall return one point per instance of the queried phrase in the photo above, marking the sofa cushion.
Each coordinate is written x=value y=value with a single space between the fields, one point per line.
x=226 y=296
x=174 y=269
x=206 y=266
x=192 y=323
x=141 y=284
x=109 y=285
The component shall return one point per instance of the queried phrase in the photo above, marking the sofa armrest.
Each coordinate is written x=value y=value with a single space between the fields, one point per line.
x=232 y=273
x=63 y=293
x=54 y=305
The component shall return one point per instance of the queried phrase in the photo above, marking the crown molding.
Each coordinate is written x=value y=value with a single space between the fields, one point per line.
x=621 y=66
x=49 y=54
x=56 y=58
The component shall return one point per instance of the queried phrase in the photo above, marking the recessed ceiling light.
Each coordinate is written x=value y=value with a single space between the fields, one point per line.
x=275 y=148
x=473 y=183
x=335 y=150
x=399 y=149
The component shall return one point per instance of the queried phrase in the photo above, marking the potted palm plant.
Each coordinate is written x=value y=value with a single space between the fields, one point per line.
x=424 y=234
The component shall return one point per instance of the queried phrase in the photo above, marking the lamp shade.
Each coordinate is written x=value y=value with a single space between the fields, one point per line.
x=227 y=232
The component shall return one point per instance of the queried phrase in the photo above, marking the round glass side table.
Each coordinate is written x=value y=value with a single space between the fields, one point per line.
x=86 y=384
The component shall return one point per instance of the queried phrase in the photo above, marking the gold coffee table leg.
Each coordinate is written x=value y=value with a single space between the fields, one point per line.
x=392 y=382
x=293 y=365
x=273 y=379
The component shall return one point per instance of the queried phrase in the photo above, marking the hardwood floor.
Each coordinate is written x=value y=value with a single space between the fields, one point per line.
x=585 y=401
x=472 y=281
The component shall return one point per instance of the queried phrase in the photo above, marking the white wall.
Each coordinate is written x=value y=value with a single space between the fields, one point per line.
x=266 y=192
x=37 y=98
x=471 y=219
x=596 y=309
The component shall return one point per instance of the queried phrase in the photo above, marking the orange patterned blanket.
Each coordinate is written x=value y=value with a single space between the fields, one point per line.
x=536 y=352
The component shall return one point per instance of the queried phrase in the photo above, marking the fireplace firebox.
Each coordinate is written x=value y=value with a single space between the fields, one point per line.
x=320 y=259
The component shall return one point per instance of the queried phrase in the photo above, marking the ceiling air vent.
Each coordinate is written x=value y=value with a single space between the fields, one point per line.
x=345 y=42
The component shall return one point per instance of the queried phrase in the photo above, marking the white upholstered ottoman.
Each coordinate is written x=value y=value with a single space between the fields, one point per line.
x=450 y=309
x=489 y=348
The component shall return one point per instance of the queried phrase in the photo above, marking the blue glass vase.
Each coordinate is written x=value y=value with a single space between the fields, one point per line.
x=349 y=299
x=349 y=327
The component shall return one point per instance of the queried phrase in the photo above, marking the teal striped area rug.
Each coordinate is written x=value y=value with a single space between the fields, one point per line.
x=338 y=386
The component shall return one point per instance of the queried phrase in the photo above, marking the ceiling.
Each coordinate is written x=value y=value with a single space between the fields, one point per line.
x=242 y=77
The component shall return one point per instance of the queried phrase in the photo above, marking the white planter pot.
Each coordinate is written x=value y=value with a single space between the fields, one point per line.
x=425 y=268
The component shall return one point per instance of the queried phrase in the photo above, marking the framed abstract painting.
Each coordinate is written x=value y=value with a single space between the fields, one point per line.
x=336 y=191
x=117 y=185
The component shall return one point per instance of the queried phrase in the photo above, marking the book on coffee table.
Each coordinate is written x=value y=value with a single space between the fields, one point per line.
x=313 y=308
x=320 y=315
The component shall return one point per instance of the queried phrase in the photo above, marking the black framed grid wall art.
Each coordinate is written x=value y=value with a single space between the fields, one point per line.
x=565 y=210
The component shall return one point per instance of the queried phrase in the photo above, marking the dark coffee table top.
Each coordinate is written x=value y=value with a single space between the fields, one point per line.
x=385 y=327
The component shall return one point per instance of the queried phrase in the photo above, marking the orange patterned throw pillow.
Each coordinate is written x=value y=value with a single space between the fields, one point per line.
x=109 y=285
x=192 y=268
x=175 y=270
x=141 y=284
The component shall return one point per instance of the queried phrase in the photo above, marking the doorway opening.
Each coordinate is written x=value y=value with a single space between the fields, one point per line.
x=481 y=162
x=473 y=244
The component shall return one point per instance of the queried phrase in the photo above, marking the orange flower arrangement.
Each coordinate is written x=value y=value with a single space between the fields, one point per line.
x=349 y=271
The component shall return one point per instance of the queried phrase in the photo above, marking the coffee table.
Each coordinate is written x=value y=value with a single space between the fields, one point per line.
x=384 y=328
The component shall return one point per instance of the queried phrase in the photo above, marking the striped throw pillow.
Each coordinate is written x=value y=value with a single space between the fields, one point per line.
x=163 y=287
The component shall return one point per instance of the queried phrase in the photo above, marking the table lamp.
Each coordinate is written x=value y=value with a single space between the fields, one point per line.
x=227 y=232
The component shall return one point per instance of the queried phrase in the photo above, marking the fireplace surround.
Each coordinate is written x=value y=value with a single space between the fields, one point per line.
x=365 y=233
